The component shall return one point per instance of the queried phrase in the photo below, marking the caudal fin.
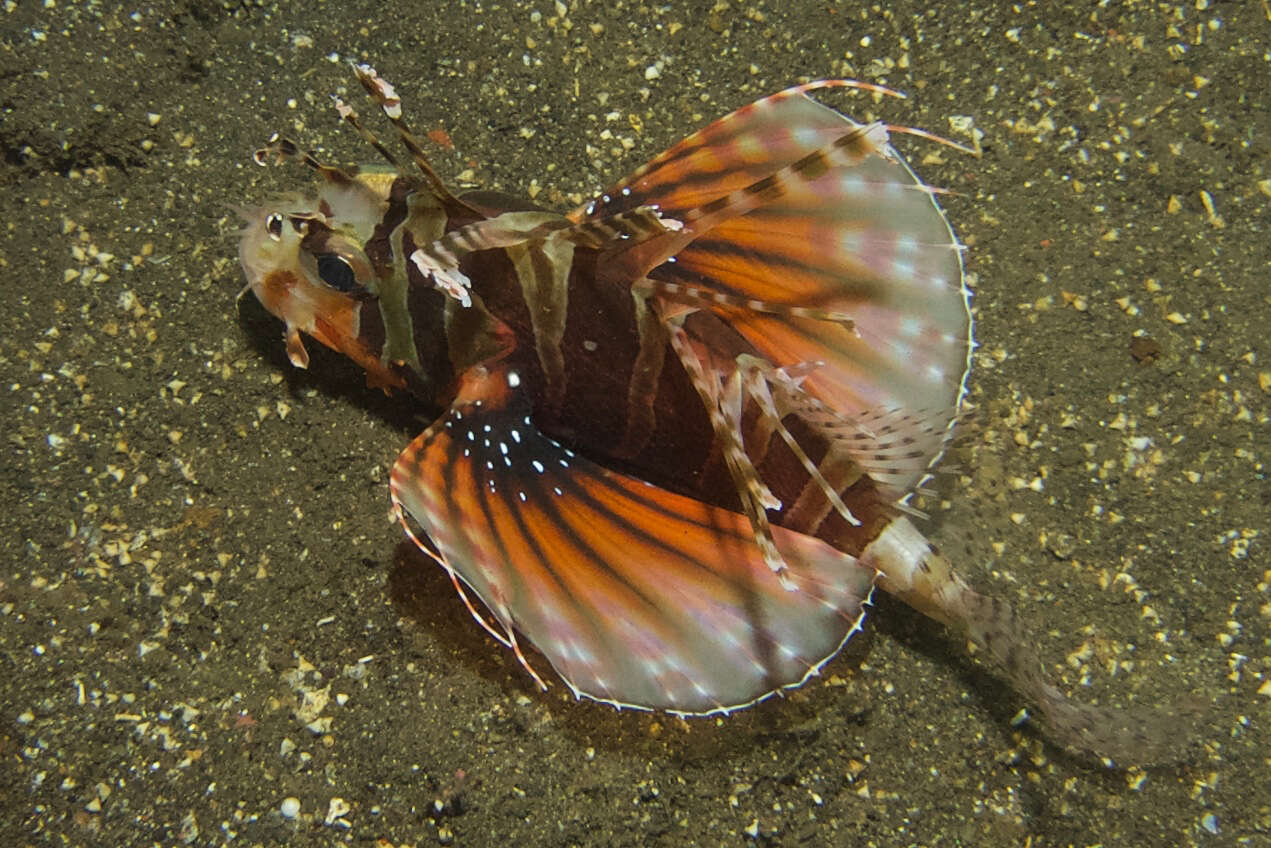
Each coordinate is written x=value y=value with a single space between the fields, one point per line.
x=914 y=571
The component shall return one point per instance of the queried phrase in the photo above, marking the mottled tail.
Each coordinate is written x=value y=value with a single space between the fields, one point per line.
x=916 y=572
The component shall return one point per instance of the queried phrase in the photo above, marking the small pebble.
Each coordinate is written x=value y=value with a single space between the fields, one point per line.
x=290 y=807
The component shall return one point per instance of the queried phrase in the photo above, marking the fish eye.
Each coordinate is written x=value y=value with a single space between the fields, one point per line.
x=273 y=224
x=336 y=272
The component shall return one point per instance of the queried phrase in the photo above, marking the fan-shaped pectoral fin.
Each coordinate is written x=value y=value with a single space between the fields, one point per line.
x=636 y=595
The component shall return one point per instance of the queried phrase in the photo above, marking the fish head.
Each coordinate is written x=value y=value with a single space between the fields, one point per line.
x=306 y=260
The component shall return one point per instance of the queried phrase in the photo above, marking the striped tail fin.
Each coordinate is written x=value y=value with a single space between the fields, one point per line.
x=913 y=570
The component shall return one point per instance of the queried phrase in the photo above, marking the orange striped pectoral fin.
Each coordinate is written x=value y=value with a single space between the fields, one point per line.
x=636 y=595
x=813 y=240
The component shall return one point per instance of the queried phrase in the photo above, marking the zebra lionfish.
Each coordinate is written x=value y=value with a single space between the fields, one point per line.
x=681 y=422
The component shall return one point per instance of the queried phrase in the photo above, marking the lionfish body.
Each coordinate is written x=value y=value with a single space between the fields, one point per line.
x=681 y=422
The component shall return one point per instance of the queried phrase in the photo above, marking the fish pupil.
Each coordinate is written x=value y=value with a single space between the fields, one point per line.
x=336 y=272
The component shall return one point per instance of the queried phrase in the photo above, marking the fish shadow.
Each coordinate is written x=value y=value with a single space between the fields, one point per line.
x=331 y=373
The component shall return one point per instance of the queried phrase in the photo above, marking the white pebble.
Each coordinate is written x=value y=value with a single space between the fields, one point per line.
x=290 y=807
